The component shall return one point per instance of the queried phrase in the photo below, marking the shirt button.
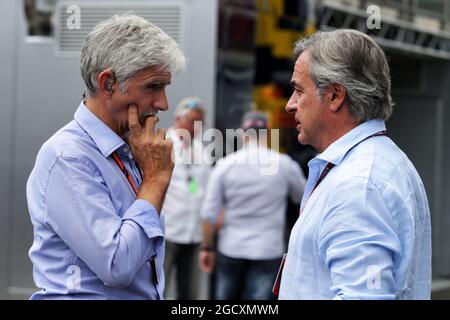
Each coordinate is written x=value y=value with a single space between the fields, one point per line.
x=125 y=149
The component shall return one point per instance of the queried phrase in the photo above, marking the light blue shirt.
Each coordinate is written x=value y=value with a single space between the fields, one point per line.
x=92 y=238
x=365 y=232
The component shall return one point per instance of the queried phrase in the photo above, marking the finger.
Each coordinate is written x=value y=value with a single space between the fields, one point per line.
x=204 y=266
x=150 y=123
x=133 y=120
x=209 y=267
x=160 y=133
x=172 y=152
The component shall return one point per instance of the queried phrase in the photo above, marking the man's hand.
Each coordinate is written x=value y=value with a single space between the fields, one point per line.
x=207 y=260
x=207 y=257
x=153 y=154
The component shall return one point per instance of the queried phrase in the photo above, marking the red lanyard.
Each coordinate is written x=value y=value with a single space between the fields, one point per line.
x=125 y=172
x=323 y=175
x=330 y=165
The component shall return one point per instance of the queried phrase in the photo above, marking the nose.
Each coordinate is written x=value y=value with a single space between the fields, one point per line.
x=161 y=103
x=291 y=106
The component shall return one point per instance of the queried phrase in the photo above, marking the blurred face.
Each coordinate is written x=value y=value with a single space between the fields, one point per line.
x=305 y=104
x=187 y=120
x=146 y=89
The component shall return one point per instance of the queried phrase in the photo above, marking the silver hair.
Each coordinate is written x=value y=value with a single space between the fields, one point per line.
x=126 y=44
x=354 y=60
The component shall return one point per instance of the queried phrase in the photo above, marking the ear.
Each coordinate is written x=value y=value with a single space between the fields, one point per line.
x=106 y=81
x=337 y=96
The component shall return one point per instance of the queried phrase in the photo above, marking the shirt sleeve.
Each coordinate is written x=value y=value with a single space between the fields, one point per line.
x=358 y=242
x=80 y=210
x=296 y=180
x=214 y=197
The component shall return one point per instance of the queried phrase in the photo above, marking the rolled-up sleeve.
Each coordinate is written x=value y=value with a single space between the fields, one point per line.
x=79 y=208
x=359 y=244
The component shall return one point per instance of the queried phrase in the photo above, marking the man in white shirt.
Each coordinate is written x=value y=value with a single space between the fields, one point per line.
x=183 y=201
x=251 y=241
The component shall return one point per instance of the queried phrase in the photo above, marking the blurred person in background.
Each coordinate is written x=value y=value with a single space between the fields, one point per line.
x=251 y=239
x=98 y=184
x=184 y=199
x=364 y=230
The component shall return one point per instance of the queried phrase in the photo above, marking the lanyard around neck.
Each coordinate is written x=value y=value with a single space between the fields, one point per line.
x=330 y=165
x=119 y=162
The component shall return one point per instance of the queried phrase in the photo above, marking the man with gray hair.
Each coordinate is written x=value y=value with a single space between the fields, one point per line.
x=364 y=227
x=98 y=184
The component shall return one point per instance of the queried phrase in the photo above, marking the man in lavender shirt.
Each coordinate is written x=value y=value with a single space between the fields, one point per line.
x=98 y=184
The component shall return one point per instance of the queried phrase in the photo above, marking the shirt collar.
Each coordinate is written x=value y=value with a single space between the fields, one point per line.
x=104 y=137
x=338 y=149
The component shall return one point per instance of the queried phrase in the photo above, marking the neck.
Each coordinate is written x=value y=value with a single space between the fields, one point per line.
x=98 y=107
x=334 y=133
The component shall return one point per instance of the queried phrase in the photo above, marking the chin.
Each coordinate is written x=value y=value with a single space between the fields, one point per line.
x=302 y=139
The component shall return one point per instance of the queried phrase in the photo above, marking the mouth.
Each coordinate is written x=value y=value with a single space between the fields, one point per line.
x=299 y=125
x=145 y=115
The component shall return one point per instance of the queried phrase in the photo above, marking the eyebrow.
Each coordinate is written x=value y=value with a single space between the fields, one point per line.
x=295 y=84
x=154 y=82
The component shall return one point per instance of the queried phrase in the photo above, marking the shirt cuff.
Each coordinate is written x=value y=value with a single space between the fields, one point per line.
x=145 y=215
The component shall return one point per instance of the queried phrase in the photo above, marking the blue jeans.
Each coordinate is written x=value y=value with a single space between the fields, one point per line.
x=243 y=279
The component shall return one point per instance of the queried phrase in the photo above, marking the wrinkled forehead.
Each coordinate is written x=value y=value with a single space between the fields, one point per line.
x=303 y=62
x=301 y=69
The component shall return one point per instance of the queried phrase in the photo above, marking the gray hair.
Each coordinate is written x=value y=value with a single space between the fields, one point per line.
x=127 y=44
x=354 y=60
